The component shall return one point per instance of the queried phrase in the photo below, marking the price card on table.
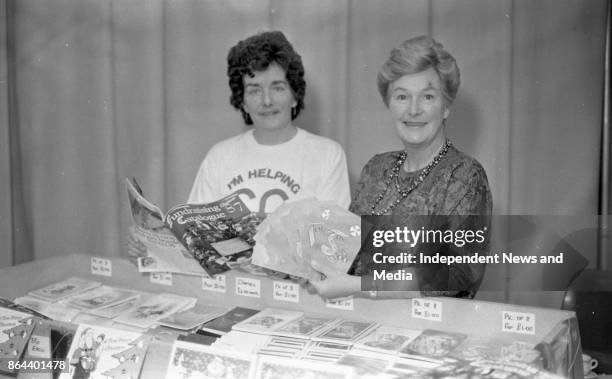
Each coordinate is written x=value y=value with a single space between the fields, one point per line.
x=101 y=266
x=163 y=278
x=214 y=284
x=248 y=287
x=39 y=346
x=518 y=322
x=344 y=303
x=285 y=291
x=427 y=309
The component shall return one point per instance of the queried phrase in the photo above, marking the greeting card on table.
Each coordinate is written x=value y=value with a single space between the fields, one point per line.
x=100 y=297
x=267 y=320
x=189 y=360
x=15 y=331
x=347 y=331
x=224 y=323
x=387 y=339
x=64 y=289
x=273 y=367
x=189 y=319
x=101 y=352
x=147 y=313
x=434 y=343
x=305 y=327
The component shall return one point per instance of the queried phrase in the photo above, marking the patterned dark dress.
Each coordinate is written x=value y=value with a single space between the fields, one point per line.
x=457 y=187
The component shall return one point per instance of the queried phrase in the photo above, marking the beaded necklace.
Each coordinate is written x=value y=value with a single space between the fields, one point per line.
x=415 y=183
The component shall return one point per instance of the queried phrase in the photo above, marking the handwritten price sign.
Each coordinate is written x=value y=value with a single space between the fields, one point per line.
x=101 y=266
x=216 y=284
x=284 y=291
x=427 y=309
x=39 y=346
x=248 y=287
x=518 y=322
x=163 y=278
x=345 y=303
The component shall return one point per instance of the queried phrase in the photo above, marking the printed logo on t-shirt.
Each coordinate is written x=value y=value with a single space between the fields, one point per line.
x=285 y=185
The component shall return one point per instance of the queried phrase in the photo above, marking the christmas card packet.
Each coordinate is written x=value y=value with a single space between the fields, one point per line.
x=243 y=342
x=223 y=324
x=112 y=311
x=15 y=331
x=298 y=232
x=189 y=360
x=322 y=355
x=434 y=343
x=267 y=320
x=102 y=352
x=64 y=289
x=414 y=366
x=272 y=249
x=100 y=297
x=54 y=311
x=331 y=348
x=387 y=339
x=286 y=344
x=149 y=312
x=305 y=327
x=189 y=319
x=5 y=303
x=366 y=363
x=334 y=238
x=273 y=367
x=480 y=348
x=346 y=331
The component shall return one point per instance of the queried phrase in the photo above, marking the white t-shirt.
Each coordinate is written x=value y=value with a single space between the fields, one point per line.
x=267 y=175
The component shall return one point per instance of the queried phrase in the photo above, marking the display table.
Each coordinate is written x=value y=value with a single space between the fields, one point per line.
x=555 y=329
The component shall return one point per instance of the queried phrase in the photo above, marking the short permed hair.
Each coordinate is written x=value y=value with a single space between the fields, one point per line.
x=417 y=55
x=256 y=53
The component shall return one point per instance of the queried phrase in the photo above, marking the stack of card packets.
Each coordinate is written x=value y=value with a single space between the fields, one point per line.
x=82 y=300
x=194 y=360
x=283 y=343
x=289 y=333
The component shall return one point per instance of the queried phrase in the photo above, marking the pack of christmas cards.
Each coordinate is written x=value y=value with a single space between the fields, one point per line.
x=102 y=352
x=223 y=324
x=433 y=343
x=271 y=367
x=149 y=312
x=54 y=311
x=305 y=327
x=283 y=347
x=114 y=310
x=386 y=339
x=302 y=231
x=267 y=320
x=189 y=360
x=100 y=297
x=346 y=331
x=190 y=319
x=15 y=331
x=64 y=289
x=242 y=342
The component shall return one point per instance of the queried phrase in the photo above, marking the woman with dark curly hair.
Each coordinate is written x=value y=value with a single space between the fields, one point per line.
x=275 y=161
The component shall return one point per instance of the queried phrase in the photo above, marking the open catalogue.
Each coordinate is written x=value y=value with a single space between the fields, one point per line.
x=196 y=239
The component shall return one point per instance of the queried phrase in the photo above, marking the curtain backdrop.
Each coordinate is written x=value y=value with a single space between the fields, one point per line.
x=92 y=91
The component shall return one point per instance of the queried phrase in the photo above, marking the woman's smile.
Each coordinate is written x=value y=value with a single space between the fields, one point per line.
x=415 y=123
